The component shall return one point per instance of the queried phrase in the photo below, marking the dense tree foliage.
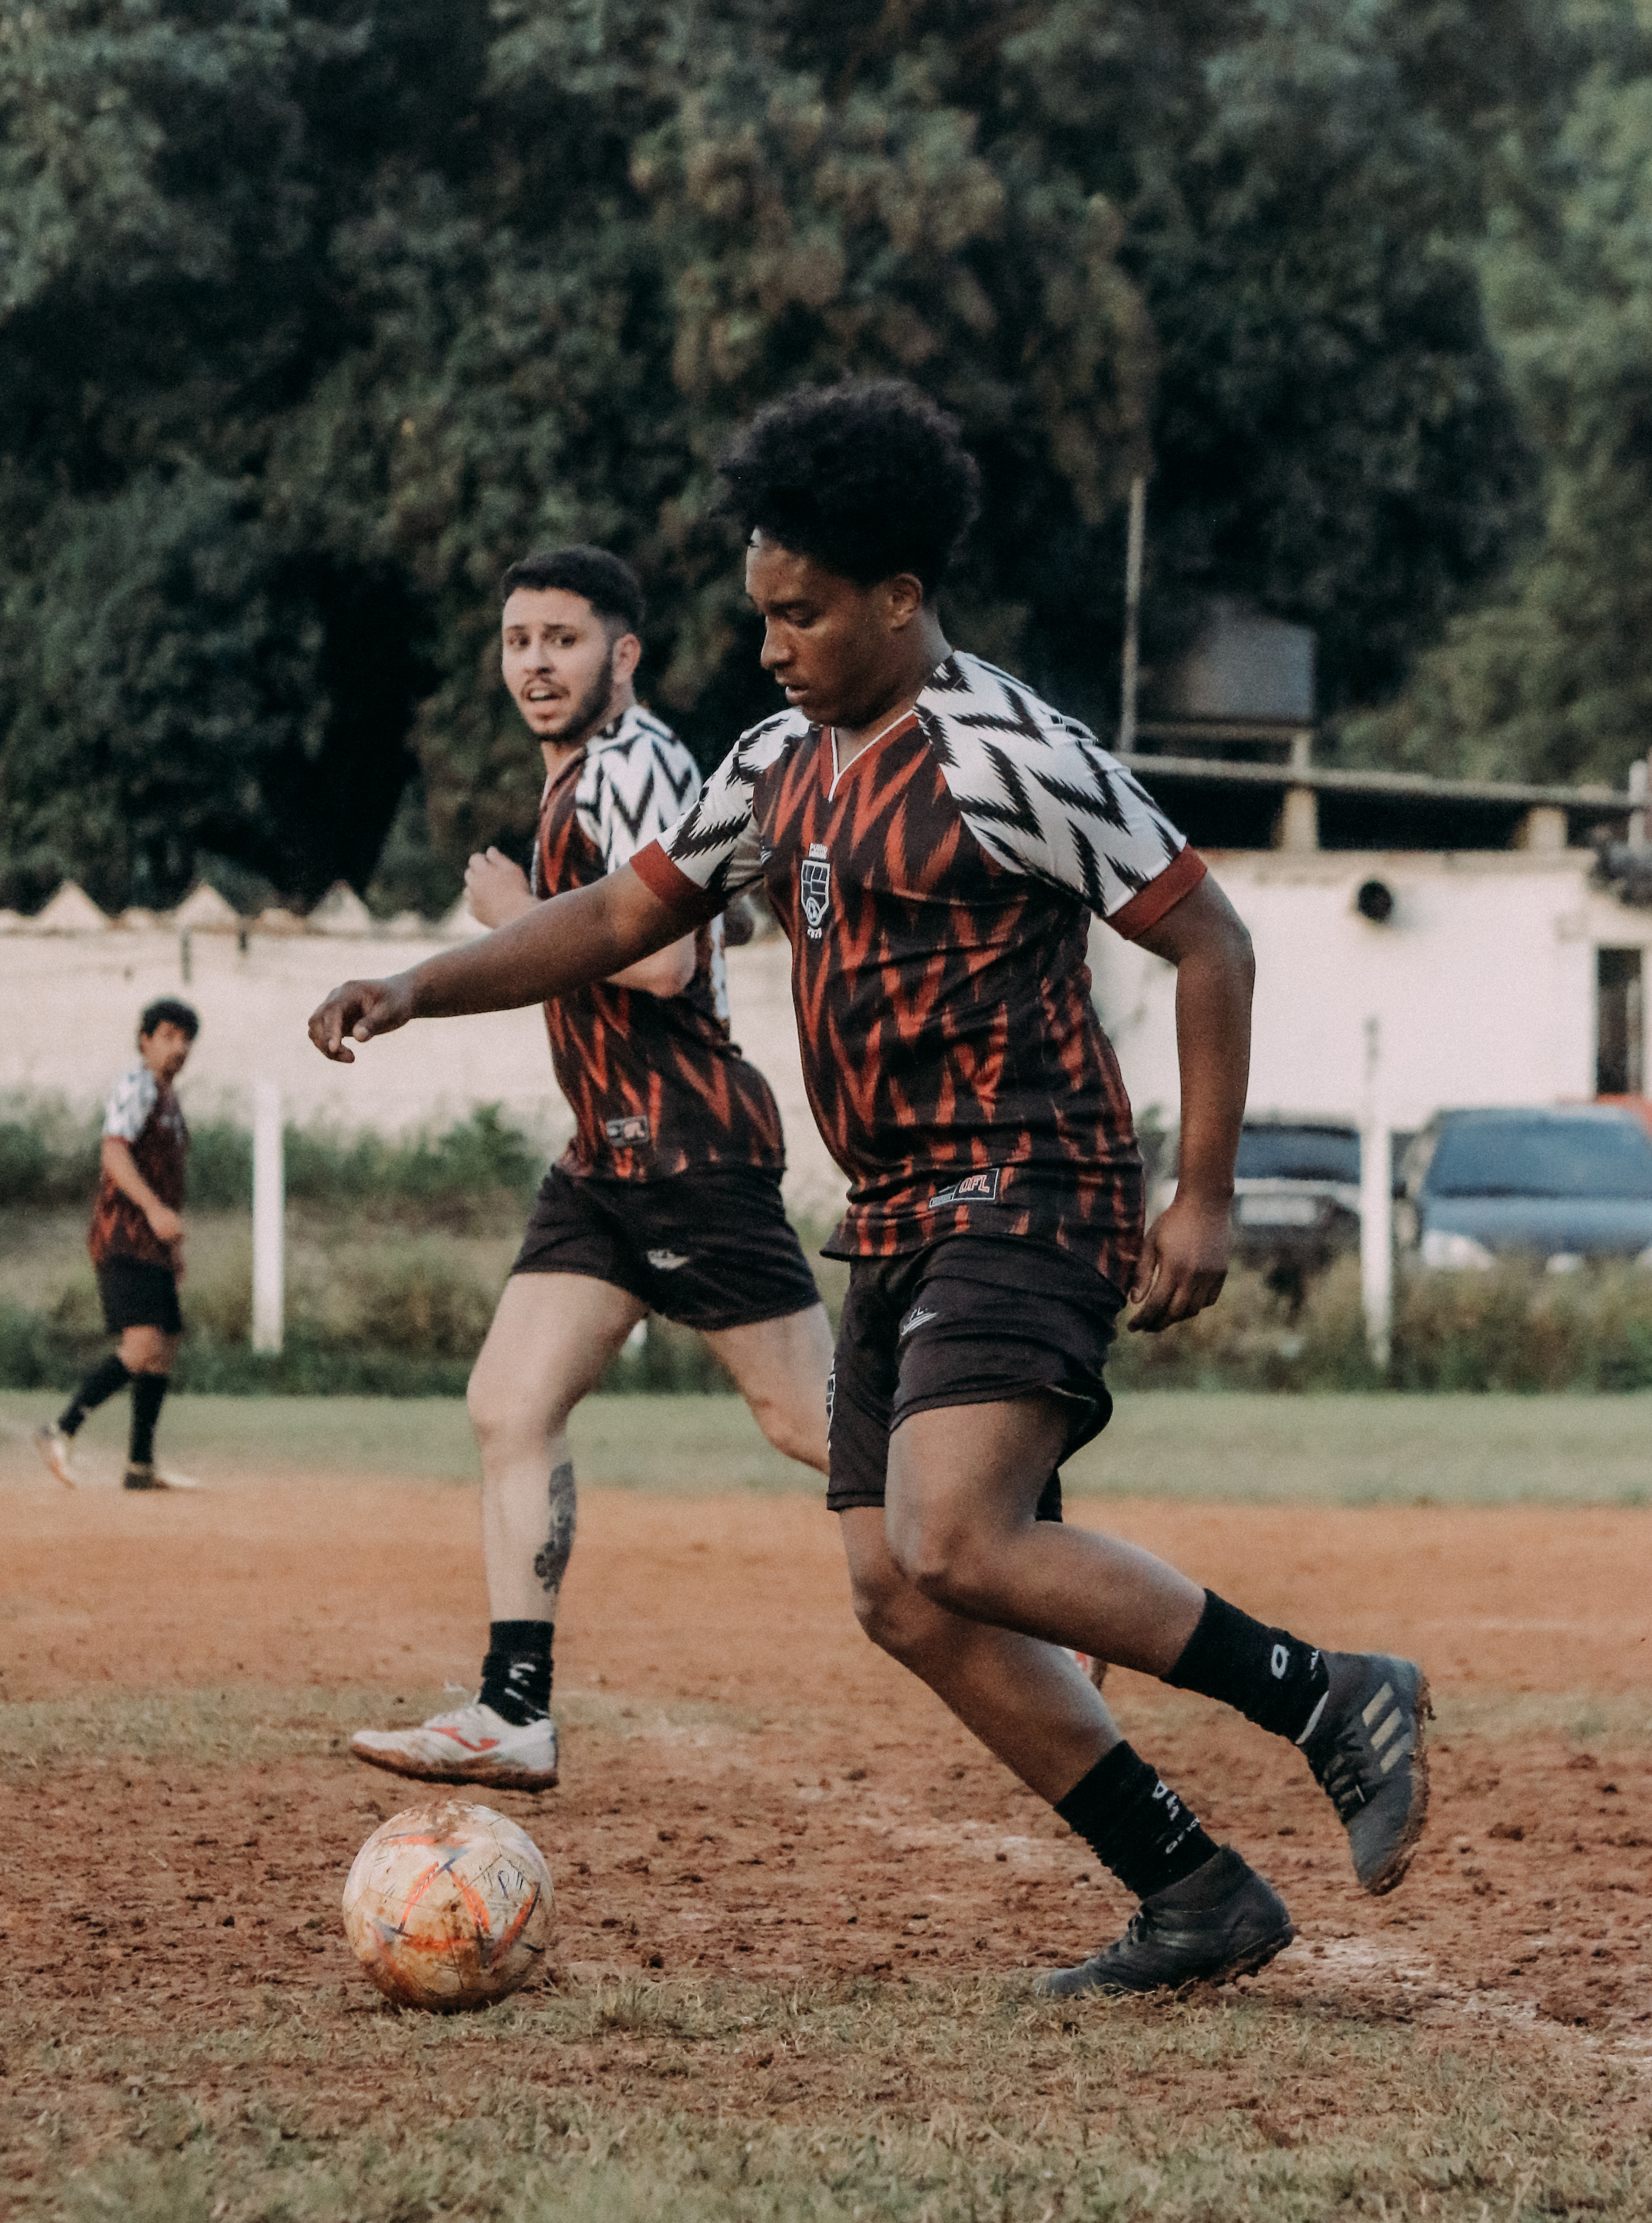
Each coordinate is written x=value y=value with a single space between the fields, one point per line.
x=1552 y=678
x=312 y=317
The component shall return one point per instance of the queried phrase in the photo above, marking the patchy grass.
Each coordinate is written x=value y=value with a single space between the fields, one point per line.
x=1215 y=1446
x=618 y=2101
x=1372 y=1449
x=248 y=1723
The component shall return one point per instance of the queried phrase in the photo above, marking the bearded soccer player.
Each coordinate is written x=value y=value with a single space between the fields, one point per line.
x=136 y=1242
x=668 y=1198
x=933 y=837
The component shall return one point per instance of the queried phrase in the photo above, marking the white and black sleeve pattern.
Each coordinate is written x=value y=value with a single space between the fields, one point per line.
x=716 y=844
x=1039 y=792
x=635 y=786
x=130 y=1102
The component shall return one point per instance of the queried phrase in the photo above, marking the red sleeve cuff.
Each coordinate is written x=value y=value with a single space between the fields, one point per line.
x=671 y=885
x=1149 y=905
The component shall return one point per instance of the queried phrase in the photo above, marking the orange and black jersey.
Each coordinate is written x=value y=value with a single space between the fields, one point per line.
x=656 y=1087
x=143 y=1114
x=936 y=894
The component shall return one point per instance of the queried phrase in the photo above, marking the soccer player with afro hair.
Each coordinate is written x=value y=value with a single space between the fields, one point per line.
x=934 y=841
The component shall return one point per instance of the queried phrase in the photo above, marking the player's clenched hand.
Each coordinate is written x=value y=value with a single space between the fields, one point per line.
x=165 y=1224
x=1183 y=1265
x=357 y=1012
x=496 y=888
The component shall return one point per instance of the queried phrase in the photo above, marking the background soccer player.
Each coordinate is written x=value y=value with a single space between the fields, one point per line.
x=137 y=1244
x=668 y=1198
x=933 y=837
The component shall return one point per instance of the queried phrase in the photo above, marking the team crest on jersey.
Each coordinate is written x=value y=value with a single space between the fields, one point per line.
x=633 y=1128
x=815 y=878
x=979 y=1187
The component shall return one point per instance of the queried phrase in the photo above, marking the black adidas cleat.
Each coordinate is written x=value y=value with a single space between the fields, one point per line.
x=1366 y=1747
x=1221 y=1921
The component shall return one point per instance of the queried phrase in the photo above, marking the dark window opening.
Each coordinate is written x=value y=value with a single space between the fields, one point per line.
x=1620 y=1061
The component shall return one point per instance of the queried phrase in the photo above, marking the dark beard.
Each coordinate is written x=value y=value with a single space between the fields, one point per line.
x=592 y=711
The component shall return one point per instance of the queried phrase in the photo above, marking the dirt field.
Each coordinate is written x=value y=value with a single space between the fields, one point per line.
x=788 y=1883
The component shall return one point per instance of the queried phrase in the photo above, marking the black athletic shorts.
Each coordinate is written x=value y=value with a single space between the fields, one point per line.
x=709 y=1250
x=972 y=1319
x=134 y=1294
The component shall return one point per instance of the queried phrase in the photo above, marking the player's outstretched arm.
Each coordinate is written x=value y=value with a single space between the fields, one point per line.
x=1184 y=1257
x=584 y=935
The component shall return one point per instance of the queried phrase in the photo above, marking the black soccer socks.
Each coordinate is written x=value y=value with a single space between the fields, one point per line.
x=1134 y=1824
x=516 y=1673
x=104 y=1379
x=148 y=1395
x=1272 y=1678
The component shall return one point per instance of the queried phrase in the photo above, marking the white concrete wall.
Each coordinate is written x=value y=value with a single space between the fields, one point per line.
x=69 y=1005
x=1483 y=981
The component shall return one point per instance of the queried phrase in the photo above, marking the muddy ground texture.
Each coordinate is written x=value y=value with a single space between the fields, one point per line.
x=749 y=1791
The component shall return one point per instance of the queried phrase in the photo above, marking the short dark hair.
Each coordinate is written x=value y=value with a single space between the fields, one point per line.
x=168 y=1012
x=869 y=477
x=612 y=589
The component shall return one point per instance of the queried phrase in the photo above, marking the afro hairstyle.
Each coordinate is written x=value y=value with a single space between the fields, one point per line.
x=168 y=1012
x=612 y=589
x=868 y=477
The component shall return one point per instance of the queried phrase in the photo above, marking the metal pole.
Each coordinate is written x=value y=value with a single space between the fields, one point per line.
x=1132 y=613
x=268 y=1219
x=1375 y=1207
x=1637 y=788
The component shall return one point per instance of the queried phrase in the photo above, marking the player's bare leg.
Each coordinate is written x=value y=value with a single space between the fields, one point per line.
x=147 y=1350
x=780 y=1368
x=552 y=1337
x=963 y=1485
x=1028 y=1702
x=1204 y=1914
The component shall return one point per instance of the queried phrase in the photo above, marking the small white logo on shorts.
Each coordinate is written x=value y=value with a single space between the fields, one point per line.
x=915 y=1318
x=631 y=1128
x=665 y=1261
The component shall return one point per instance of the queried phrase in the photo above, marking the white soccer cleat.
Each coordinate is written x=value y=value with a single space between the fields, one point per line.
x=55 y=1448
x=473 y=1744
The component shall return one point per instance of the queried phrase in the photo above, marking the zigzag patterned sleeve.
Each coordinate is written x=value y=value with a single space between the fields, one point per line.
x=1040 y=793
x=715 y=850
x=130 y=1102
x=640 y=793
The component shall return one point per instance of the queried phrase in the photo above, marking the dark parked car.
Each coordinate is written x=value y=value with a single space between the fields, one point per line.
x=1295 y=1197
x=1566 y=1185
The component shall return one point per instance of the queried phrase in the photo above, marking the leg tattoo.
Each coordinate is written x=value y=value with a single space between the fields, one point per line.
x=551 y=1563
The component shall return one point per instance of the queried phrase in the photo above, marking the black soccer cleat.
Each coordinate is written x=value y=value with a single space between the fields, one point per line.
x=1221 y=1921
x=1366 y=1747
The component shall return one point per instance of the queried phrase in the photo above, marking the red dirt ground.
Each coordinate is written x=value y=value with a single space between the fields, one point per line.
x=756 y=1790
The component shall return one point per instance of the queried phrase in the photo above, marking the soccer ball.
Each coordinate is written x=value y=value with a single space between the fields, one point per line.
x=449 y=1905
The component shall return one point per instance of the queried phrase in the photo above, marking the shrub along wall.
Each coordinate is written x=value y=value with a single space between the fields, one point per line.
x=48 y=1157
x=400 y=1309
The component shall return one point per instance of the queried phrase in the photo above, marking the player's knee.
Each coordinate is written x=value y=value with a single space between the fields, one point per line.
x=943 y=1561
x=795 y=1435
x=888 y=1611
x=482 y=1407
x=501 y=1427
